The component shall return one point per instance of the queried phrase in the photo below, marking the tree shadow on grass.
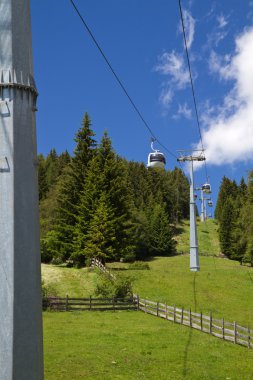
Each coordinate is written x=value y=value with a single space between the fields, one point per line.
x=185 y=357
x=188 y=343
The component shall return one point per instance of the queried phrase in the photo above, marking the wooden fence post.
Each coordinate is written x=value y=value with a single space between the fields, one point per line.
x=166 y=311
x=248 y=337
x=182 y=315
x=174 y=314
x=157 y=309
x=190 y=318
x=201 y=321
x=145 y=306
x=235 y=332
x=138 y=302
x=113 y=302
x=223 y=336
x=67 y=303
x=90 y=303
x=210 y=325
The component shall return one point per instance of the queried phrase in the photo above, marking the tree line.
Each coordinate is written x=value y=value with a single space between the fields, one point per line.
x=94 y=203
x=234 y=210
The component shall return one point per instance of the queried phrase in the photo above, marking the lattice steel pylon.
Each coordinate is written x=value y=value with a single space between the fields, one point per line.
x=21 y=352
x=194 y=254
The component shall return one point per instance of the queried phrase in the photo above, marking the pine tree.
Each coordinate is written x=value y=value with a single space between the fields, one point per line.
x=70 y=185
x=52 y=168
x=101 y=233
x=180 y=195
x=43 y=186
x=160 y=233
x=228 y=189
x=226 y=229
x=106 y=179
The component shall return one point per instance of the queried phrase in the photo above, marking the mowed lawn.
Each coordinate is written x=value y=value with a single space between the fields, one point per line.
x=222 y=286
x=134 y=345
x=208 y=239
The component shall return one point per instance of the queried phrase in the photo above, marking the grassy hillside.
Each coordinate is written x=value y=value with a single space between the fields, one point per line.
x=207 y=237
x=133 y=345
x=75 y=282
x=222 y=286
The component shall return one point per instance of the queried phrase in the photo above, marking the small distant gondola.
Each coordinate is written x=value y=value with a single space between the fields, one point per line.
x=206 y=188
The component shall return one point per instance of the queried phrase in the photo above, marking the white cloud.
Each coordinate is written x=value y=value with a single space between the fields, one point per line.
x=222 y=22
x=220 y=64
x=172 y=66
x=214 y=38
x=228 y=137
x=166 y=97
x=219 y=32
x=189 y=24
x=183 y=111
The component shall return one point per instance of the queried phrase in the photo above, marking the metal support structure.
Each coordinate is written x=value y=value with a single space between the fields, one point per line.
x=21 y=350
x=194 y=255
x=202 y=217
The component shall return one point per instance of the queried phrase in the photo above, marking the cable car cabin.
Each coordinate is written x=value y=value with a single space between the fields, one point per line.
x=206 y=188
x=156 y=160
x=210 y=203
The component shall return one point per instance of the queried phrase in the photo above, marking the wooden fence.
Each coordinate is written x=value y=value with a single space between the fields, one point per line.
x=217 y=327
x=98 y=304
x=97 y=263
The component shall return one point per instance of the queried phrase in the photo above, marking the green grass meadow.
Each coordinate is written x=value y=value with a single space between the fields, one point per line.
x=208 y=240
x=134 y=345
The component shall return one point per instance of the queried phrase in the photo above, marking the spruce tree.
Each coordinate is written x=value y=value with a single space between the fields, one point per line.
x=42 y=180
x=227 y=227
x=160 y=233
x=106 y=178
x=70 y=185
x=101 y=232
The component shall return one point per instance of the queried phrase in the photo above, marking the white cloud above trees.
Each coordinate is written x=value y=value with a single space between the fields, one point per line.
x=228 y=134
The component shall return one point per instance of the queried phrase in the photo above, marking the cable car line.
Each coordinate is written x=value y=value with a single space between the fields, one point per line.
x=119 y=80
x=191 y=80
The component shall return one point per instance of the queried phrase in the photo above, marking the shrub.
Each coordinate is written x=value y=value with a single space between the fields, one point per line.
x=48 y=290
x=110 y=288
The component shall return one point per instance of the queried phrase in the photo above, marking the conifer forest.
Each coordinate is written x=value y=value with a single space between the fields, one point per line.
x=95 y=203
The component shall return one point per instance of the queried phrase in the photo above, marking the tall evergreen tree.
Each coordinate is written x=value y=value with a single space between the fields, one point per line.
x=106 y=179
x=228 y=189
x=43 y=185
x=226 y=229
x=101 y=232
x=160 y=233
x=69 y=187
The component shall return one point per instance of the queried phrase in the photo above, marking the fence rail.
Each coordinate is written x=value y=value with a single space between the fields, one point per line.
x=217 y=327
x=97 y=263
x=98 y=304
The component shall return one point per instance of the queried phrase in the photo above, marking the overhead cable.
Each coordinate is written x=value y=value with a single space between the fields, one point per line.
x=119 y=80
x=191 y=80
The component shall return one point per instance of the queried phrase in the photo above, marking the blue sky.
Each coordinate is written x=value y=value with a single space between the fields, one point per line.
x=143 y=41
